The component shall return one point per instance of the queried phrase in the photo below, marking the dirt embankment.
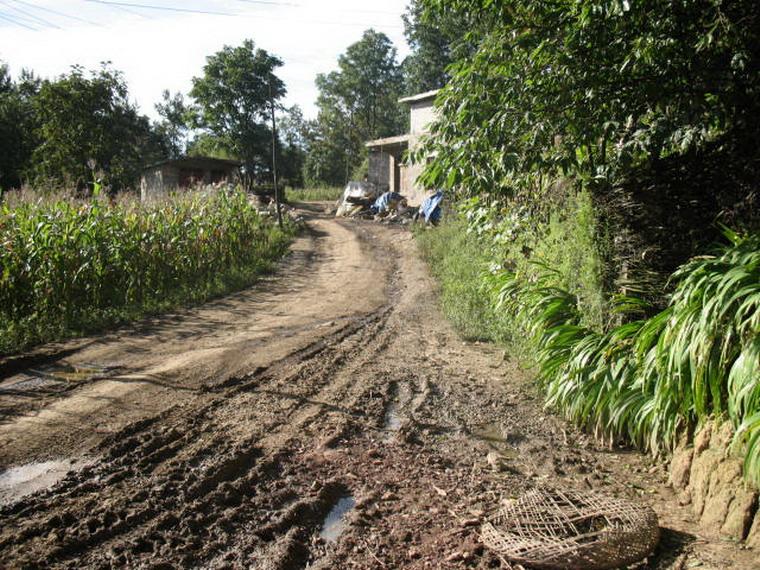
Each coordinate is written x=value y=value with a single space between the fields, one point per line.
x=225 y=436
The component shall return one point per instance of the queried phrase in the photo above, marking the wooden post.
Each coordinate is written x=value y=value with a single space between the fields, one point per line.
x=274 y=157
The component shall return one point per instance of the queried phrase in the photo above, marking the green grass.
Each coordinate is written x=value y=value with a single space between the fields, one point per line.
x=643 y=377
x=70 y=267
x=326 y=194
x=458 y=260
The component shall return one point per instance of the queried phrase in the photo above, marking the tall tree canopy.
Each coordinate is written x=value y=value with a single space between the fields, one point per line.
x=293 y=132
x=591 y=88
x=173 y=127
x=358 y=102
x=436 y=40
x=233 y=104
x=85 y=116
x=18 y=126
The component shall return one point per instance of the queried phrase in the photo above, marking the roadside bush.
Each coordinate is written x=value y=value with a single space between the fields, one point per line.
x=563 y=234
x=72 y=266
x=650 y=379
x=637 y=375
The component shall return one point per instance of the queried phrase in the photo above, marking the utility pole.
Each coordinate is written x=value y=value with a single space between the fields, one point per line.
x=274 y=156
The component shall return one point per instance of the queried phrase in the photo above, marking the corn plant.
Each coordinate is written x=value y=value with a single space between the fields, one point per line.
x=70 y=265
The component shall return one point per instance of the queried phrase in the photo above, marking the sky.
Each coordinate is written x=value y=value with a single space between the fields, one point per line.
x=163 y=49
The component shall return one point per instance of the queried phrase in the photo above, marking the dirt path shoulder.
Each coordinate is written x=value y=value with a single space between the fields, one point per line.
x=65 y=405
x=230 y=436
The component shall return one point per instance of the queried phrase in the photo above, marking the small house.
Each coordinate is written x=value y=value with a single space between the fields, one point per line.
x=388 y=167
x=181 y=173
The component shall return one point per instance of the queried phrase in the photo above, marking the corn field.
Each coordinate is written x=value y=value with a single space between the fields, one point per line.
x=69 y=266
x=651 y=379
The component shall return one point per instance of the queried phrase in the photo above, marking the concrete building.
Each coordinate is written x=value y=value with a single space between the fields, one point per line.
x=389 y=167
x=181 y=173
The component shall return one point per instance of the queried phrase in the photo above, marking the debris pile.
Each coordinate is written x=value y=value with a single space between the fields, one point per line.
x=266 y=206
x=362 y=200
x=356 y=199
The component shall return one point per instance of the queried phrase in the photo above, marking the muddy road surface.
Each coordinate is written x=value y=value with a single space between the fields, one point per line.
x=326 y=418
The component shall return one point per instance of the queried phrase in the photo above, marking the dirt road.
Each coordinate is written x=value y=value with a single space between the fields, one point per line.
x=224 y=437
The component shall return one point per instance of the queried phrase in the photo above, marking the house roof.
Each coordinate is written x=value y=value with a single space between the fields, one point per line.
x=420 y=96
x=197 y=162
x=398 y=140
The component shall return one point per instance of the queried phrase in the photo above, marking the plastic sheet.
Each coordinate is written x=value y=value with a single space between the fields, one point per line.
x=431 y=207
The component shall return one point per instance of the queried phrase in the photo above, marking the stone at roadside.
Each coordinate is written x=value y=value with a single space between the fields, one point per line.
x=739 y=518
x=680 y=467
x=702 y=439
x=495 y=461
x=753 y=538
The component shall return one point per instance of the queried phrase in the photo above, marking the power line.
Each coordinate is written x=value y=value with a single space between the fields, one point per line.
x=291 y=4
x=130 y=11
x=13 y=20
x=163 y=8
x=268 y=3
x=56 y=12
x=30 y=15
x=117 y=4
x=30 y=21
x=130 y=6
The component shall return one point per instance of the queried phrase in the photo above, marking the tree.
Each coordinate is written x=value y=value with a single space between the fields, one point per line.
x=358 y=102
x=85 y=117
x=18 y=126
x=233 y=104
x=436 y=40
x=589 y=89
x=174 y=125
x=293 y=136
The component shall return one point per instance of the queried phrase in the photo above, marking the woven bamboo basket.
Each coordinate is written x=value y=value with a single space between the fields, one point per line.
x=552 y=529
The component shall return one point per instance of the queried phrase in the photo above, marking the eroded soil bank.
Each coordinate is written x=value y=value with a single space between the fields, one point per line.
x=224 y=437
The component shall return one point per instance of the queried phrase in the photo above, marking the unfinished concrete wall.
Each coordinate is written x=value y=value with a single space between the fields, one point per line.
x=380 y=169
x=151 y=184
x=171 y=178
x=422 y=114
x=411 y=189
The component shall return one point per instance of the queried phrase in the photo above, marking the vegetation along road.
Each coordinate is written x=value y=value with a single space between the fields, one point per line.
x=223 y=437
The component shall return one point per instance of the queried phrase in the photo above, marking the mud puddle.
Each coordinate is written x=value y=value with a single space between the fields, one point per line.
x=492 y=434
x=70 y=372
x=392 y=421
x=335 y=522
x=59 y=375
x=17 y=482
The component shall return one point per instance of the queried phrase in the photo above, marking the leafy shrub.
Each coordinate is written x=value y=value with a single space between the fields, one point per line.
x=650 y=379
x=564 y=235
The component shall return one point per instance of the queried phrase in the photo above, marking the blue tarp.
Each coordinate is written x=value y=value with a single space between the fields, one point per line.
x=383 y=203
x=431 y=207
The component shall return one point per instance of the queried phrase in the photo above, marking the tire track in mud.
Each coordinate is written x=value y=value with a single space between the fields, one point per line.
x=244 y=473
x=127 y=504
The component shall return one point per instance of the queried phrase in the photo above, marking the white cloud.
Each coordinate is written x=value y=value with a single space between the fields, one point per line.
x=164 y=50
